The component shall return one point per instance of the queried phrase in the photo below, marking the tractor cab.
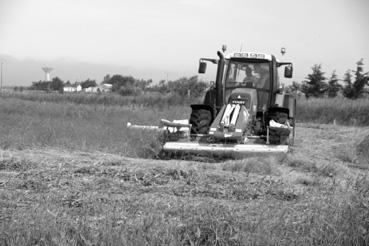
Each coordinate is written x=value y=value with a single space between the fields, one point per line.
x=250 y=79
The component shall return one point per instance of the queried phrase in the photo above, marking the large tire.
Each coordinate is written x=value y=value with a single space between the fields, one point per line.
x=200 y=120
x=279 y=135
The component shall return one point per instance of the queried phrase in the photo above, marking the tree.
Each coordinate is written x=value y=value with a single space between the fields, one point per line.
x=119 y=81
x=355 y=89
x=143 y=84
x=106 y=79
x=360 y=79
x=88 y=83
x=185 y=86
x=197 y=88
x=57 y=84
x=294 y=88
x=315 y=84
x=162 y=87
x=333 y=86
x=348 y=90
x=126 y=85
x=41 y=85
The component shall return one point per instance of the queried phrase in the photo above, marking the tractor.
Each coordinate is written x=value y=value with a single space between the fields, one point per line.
x=244 y=111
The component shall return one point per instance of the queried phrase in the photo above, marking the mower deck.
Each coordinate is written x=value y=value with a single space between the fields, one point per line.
x=219 y=149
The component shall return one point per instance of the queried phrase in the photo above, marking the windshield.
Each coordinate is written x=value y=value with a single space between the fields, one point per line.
x=248 y=74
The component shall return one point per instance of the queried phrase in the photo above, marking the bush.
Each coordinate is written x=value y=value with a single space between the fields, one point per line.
x=129 y=91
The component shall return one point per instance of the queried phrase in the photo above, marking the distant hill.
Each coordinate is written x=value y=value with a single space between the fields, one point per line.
x=18 y=72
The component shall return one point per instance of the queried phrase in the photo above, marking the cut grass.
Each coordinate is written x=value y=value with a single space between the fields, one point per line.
x=250 y=165
x=301 y=164
x=263 y=165
x=110 y=200
x=362 y=150
x=304 y=165
x=346 y=153
x=307 y=181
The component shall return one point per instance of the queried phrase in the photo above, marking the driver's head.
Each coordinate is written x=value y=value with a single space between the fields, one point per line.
x=260 y=68
x=257 y=68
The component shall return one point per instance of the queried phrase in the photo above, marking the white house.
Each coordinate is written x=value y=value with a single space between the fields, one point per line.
x=77 y=88
x=100 y=88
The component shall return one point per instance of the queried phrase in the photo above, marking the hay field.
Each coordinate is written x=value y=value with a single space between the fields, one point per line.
x=73 y=175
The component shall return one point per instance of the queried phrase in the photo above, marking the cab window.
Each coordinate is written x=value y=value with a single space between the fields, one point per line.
x=248 y=74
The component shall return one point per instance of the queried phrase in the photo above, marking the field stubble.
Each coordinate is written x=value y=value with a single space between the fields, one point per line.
x=69 y=175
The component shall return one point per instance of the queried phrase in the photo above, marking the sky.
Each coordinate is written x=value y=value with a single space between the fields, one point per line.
x=171 y=35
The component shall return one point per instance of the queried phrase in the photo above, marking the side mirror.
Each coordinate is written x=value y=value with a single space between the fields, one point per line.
x=202 y=67
x=288 y=71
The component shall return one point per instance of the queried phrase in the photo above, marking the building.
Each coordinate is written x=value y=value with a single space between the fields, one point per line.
x=104 y=88
x=77 y=88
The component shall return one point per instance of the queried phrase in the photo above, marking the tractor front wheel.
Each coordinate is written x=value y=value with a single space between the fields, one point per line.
x=200 y=120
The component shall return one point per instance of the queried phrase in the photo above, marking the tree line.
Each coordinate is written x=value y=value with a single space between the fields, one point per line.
x=128 y=85
x=317 y=84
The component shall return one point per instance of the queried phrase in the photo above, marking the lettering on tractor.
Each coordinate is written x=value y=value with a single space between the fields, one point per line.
x=245 y=111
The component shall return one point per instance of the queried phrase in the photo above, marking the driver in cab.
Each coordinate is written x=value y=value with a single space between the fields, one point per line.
x=249 y=80
x=263 y=74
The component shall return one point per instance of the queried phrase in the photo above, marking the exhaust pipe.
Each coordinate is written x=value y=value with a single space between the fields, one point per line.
x=218 y=83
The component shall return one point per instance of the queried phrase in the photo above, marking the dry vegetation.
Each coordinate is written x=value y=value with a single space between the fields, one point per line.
x=328 y=110
x=148 y=99
x=340 y=110
x=32 y=124
x=73 y=175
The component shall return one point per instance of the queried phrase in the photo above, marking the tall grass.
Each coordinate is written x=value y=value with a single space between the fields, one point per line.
x=318 y=110
x=111 y=99
x=328 y=110
x=98 y=122
x=32 y=124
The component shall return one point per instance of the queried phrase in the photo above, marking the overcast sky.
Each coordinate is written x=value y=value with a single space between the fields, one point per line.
x=174 y=34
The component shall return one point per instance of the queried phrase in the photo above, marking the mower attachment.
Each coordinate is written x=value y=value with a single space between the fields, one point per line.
x=223 y=149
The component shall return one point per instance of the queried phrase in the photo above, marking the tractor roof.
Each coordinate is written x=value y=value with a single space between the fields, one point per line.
x=254 y=55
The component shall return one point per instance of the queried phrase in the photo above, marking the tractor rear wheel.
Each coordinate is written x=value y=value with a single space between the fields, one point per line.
x=200 y=120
